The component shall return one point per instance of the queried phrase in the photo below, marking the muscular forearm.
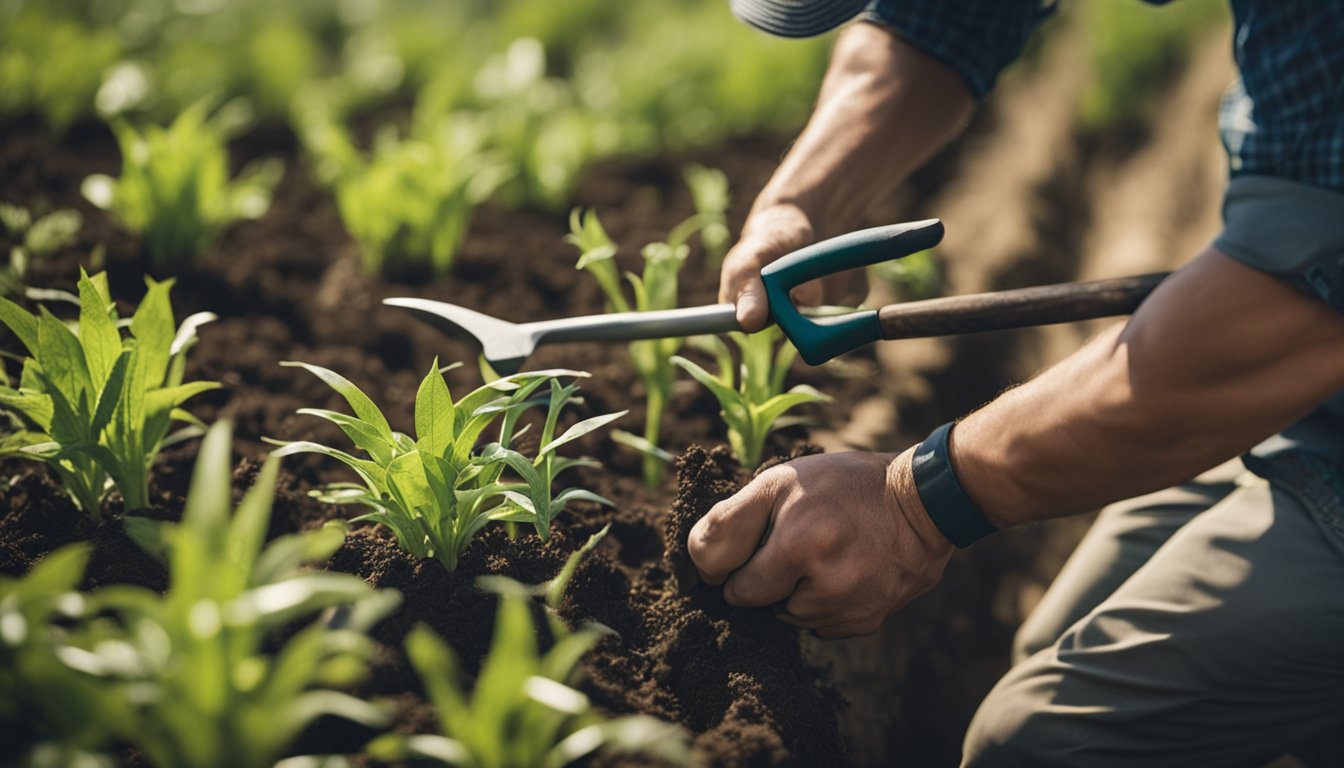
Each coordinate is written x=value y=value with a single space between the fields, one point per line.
x=884 y=108
x=1220 y=357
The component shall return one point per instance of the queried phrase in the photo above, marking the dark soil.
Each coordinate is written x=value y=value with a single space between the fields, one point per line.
x=290 y=287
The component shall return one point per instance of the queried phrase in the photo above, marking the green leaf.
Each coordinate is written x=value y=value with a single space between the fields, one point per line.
x=20 y=323
x=247 y=530
x=359 y=402
x=98 y=332
x=434 y=413
x=367 y=470
x=110 y=395
x=62 y=361
x=152 y=326
x=365 y=436
x=772 y=409
x=437 y=667
x=579 y=430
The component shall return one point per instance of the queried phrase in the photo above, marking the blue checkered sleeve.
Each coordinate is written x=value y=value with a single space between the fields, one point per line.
x=1285 y=116
x=978 y=38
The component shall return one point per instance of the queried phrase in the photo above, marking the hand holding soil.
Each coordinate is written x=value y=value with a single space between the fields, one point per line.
x=836 y=541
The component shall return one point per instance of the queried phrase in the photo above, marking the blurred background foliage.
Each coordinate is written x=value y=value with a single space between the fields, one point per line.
x=551 y=85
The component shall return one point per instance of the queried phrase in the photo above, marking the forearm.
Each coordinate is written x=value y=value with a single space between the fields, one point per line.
x=1220 y=357
x=884 y=109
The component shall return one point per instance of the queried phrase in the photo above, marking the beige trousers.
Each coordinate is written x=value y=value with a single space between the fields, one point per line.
x=1198 y=626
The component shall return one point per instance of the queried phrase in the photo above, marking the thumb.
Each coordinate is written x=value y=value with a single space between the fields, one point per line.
x=753 y=309
x=726 y=538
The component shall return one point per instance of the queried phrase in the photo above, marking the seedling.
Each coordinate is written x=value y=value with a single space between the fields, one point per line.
x=523 y=711
x=96 y=406
x=655 y=289
x=197 y=674
x=51 y=64
x=49 y=709
x=752 y=408
x=437 y=490
x=709 y=194
x=174 y=187
x=37 y=237
x=408 y=203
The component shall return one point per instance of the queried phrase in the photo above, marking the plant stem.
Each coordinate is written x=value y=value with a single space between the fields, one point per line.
x=653 y=421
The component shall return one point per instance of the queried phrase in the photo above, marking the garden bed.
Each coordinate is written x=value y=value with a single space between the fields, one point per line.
x=290 y=287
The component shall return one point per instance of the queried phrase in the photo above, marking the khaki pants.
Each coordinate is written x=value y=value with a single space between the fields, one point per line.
x=1198 y=626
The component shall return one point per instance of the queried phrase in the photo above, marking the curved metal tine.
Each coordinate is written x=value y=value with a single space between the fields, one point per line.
x=504 y=345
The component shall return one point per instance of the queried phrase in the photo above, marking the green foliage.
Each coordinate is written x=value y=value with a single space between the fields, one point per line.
x=409 y=202
x=437 y=490
x=96 y=405
x=709 y=194
x=1134 y=50
x=522 y=712
x=914 y=277
x=195 y=677
x=36 y=237
x=655 y=289
x=752 y=408
x=49 y=709
x=51 y=65
x=174 y=187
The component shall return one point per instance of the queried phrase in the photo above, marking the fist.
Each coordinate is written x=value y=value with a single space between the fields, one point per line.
x=835 y=542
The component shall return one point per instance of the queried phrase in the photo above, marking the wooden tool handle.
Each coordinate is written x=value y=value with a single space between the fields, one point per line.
x=1039 y=305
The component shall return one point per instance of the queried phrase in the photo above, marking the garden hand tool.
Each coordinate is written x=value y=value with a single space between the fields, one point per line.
x=505 y=346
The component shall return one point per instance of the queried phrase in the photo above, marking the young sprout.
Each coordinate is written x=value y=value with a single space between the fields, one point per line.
x=174 y=188
x=436 y=490
x=96 y=406
x=36 y=237
x=197 y=675
x=523 y=711
x=709 y=194
x=655 y=289
x=408 y=203
x=752 y=408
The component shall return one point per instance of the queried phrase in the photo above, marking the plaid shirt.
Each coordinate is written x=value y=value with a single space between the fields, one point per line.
x=1284 y=117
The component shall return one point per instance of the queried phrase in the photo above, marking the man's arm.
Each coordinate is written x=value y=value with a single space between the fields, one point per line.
x=883 y=110
x=1218 y=358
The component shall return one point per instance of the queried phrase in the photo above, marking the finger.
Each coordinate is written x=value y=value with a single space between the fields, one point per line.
x=785 y=615
x=726 y=538
x=851 y=628
x=741 y=284
x=771 y=575
x=809 y=294
x=753 y=309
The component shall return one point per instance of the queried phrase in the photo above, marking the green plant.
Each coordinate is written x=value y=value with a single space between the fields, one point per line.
x=50 y=64
x=752 y=409
x=409 y=202
x=522 y=711
x=37 y=237
x=49 y=709
x=1133 y=51
x=914 y=277
x=95 y=405
x=202 y=675
x=655 y=289
x=709 y=194
x=174 y=187
x=435 y=491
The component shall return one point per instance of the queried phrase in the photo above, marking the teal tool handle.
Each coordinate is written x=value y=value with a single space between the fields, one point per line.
x=822 y=338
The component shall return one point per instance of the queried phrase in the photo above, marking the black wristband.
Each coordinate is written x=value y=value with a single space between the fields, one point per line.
x=947 y=504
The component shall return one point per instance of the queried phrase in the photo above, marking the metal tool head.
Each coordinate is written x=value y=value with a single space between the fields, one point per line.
x=504 y=345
